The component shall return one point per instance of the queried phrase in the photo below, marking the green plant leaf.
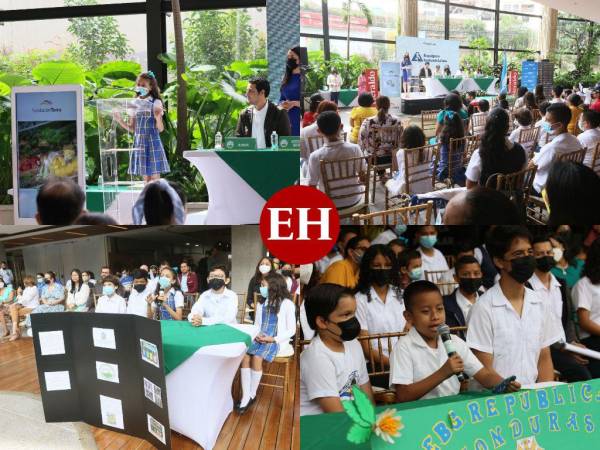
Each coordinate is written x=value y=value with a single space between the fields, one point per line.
x=120 y=69
x=230 y=91
x=358 y=434
x=353 y=413
x=4 y=89
x=58 y=72
x=241 y=67
x=363 y=405
x=202 y=68
x=169 y=59
x=14 y=80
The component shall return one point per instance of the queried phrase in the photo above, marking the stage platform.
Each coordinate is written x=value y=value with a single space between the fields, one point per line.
x=416 y=102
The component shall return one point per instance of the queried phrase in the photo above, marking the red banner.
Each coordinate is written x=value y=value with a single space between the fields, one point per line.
x=513 y=81
x=373 y=82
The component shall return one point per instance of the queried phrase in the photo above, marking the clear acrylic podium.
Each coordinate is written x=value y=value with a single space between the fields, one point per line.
x=119 y=188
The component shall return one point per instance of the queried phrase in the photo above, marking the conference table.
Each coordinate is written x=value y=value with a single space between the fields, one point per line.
x=553 y=417
x=435 y=87
x=239 y=182
x=201 y=363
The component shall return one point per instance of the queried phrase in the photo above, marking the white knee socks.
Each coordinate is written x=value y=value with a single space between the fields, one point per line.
x=256 y=376
x=246 y=383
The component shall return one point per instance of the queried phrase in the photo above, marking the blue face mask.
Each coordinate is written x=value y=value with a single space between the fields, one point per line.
x=164 y=282
x=547 y=127
x=142 y=91
x=415 y=274
x=428 y=241
x=264 y=291
x=108 y=290
x=400 y=229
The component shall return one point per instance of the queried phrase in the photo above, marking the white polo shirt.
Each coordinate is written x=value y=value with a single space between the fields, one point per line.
x=325 y=373
x=258 y=125
x=589 y=139
x=515 y=342
x=561 y=144
x=413 y=360
x=587 y=296
x=553 y=297
x=378 y=316
x=216 y=307
x=137 y=304
x=465 y=305
x=114 y=304
x=433 y=263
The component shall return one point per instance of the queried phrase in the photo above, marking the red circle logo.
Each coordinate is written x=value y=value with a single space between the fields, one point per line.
x=299 y=224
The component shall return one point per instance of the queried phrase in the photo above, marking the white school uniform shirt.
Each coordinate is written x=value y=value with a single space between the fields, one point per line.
x=385 y=237
x=325 y=373
x=80 y=298
x=183 y=284
x=397 y=184
x=258 y=125
x=335 y=151
x=30 y=298
x=435 y=263
x=587 y=296
x=561 y=144
x=553 y=297
x=379 y=317
x=473 y=172
x=114 y=305
x=286 y=320
x=413 y=360
x=589 y=139
x=465 y=305
x=137 y=304
x=305 y=133
x=216 y=307
x=515 y=342
x=307 y=331
x=334 y=82
x=514 y=137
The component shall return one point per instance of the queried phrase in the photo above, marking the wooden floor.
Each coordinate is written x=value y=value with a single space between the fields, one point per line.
x=265 y=426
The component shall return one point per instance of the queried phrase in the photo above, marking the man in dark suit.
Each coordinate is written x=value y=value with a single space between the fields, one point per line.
x=425 y=71
x=458 y=304
x=262 y=117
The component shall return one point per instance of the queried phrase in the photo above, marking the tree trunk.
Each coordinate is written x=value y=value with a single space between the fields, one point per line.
x=182 y=113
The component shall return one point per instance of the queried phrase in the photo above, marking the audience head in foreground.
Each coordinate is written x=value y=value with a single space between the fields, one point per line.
x=60 y=201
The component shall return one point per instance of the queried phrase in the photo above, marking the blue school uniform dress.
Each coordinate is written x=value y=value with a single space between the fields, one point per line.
x=406 y=71
x=269 y=328
x=164 y=314
x=149 y=158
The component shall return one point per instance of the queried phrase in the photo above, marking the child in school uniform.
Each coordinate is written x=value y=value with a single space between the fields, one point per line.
x=509 y=328
x=420 y=366
x=111 y=302
x=334 y=361
x=276 y=319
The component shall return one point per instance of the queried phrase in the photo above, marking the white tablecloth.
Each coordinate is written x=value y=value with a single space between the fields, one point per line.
x=232 y=201
x=434 y=88
x=199 y=390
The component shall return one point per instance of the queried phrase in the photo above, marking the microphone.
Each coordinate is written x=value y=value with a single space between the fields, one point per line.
x=444 y=332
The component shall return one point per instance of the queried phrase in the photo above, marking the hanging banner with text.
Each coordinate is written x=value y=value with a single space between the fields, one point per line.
x=373 y=82
x=391 y=82
x=434 y=51
x=513 y=82
x=529 y=75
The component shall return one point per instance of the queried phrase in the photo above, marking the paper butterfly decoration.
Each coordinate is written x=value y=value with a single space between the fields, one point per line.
x=385 y=425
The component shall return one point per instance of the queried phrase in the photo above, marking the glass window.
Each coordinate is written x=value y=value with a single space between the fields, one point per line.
x=522 y=6
x=471 y=60
x=311 y=17
x=30 y=4
x=375 y=20
x=520 y=32
x=469 y=25
x=312 y=44
x=431 y=20
x=491 y=4
x=371 y=51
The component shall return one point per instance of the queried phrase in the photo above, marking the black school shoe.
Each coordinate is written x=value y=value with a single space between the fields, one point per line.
x=242 y=410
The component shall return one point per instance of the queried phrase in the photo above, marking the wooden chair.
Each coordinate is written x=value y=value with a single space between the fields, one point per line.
x=316 y=142
x=477 y=124
x=339 y=175
x=442 y=279
x=420 y=167
x=457 y=158
x=536 y=114
x=384 y=137
x=596 y=159
x=188 y=302
x=517 y=186
x=241 y=315
x=577 y=156
x=537 y=213
x=409 y=215
x=528 y=139
x=429 y=121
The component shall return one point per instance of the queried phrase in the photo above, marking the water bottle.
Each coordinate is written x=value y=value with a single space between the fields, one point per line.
x=101 y=181
x=219 y=140
x=274 y=140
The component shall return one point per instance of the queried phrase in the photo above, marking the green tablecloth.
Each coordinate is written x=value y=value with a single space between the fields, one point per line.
x=95 y=195
x=558 y=417
x=450 y=83
x=347 y=96
x=484 y=82
x=267 y=171
x=181 y=340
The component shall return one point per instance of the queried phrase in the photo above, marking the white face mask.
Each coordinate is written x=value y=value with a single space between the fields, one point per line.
x=305 y=273
x=264 y=268
x=558 y=254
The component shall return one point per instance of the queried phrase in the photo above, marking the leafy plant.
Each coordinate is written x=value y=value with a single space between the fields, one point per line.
x=349 y=70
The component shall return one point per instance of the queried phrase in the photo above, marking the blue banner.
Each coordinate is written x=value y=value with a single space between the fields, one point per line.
x=529 y=75
x=503 y=77
x=390 y=84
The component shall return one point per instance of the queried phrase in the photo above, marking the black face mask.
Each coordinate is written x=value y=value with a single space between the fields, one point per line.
x=350 y=329
x=470 y=285
x=216 y=283
x=286 y=273
x=139 y=287
x=292 y=64
x=522 y=268
x=46 y=281
x=545 y=263
x=381 y=277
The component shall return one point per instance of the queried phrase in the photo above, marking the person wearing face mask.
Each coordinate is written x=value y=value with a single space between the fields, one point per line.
x=334 y=360
x=468 y=275
x=508 y=326
x=263 y=268
x=40 y=282
x=345 y=272
x=27 y=301
x=571 y=366
x=78 y=292
x=558 y=116
x=167 y=300
x=6 y=299
x=568 y=267
x=290 y=89
x=110 y=301
x=410 y=266
x=6 y=274
x=379 y=305
x=287 y=271
x=389 y=234
x=433 y=259
x=140 y=299
x=276 y=319
x=218 y=304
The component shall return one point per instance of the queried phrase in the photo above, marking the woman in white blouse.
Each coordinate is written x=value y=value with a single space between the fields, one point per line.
x=27 y=300
x=276 y=319
x=79 y=293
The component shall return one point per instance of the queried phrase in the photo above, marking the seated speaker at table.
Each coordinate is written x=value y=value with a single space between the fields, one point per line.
x=217 y=304
x=262 y=117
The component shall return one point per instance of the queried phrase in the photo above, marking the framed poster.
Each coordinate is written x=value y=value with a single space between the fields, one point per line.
x=47 y=140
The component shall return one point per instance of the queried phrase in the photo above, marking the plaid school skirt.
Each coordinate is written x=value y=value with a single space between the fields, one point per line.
x=149 y=158
x=269 y=328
